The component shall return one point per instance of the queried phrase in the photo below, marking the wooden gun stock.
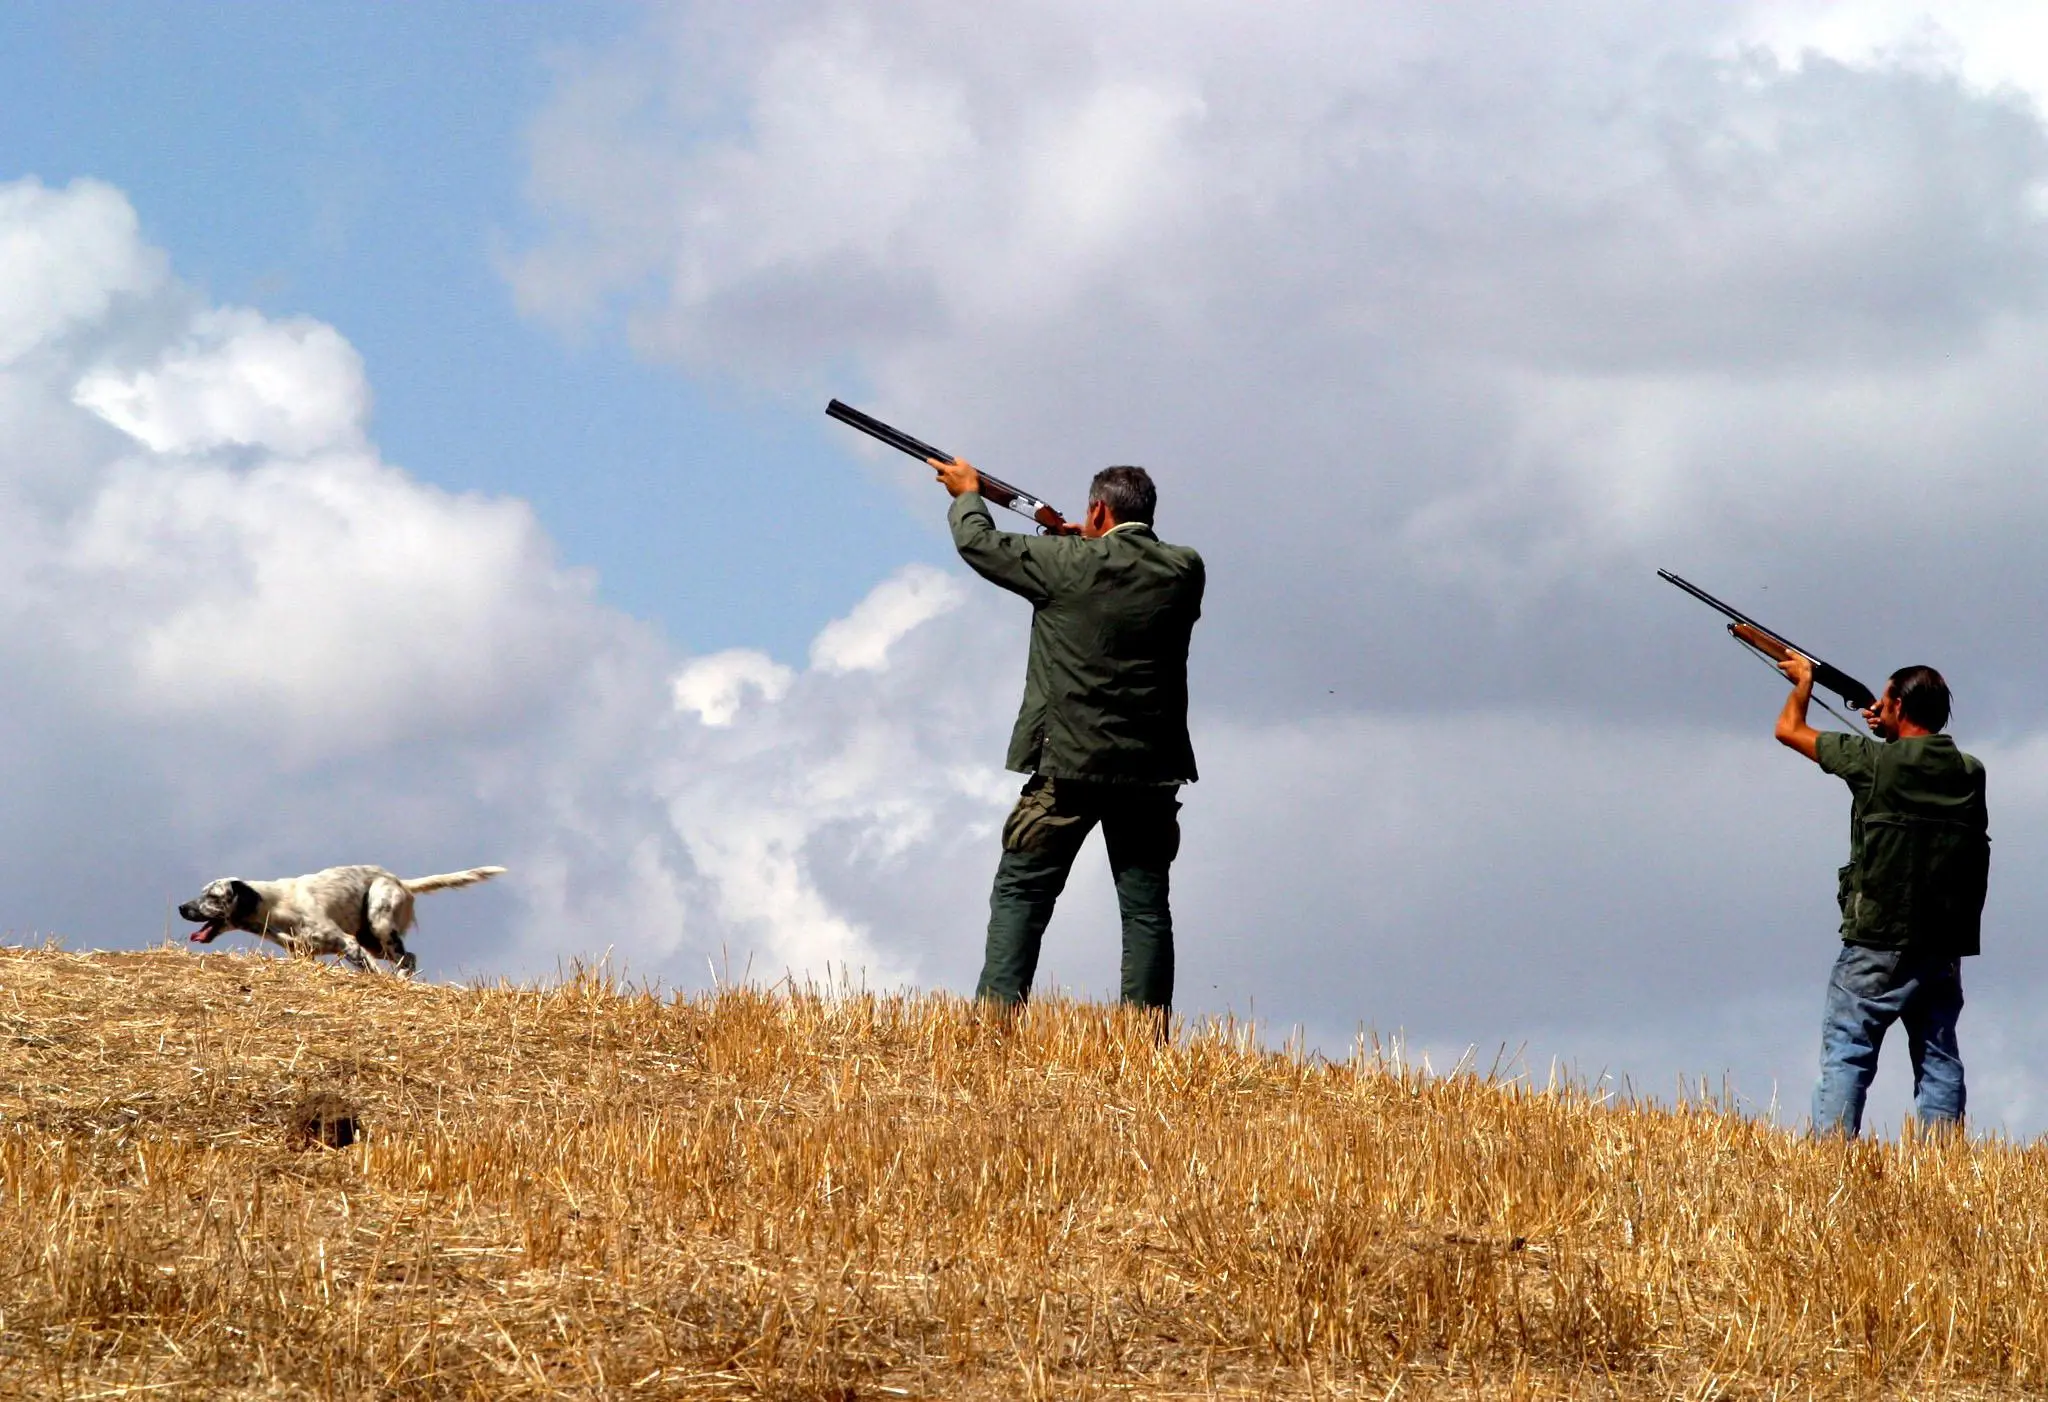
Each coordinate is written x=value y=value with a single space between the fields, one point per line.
x=1760 y=640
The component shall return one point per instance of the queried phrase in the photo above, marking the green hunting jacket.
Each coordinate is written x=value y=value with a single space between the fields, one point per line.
x=1106 y=686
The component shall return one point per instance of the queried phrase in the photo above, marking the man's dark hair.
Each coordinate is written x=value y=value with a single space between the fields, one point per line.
x=1923 y=696
x=1127 y=492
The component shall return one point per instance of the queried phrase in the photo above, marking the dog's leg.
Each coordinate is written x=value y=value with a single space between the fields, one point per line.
x=319 y=937
x=387 y=915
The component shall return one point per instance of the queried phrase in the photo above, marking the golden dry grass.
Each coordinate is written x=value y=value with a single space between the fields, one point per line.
x=579 y=1190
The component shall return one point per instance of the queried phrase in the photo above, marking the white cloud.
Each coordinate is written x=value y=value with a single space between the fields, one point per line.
x=234 y=635
x=1991 y=42
x=293 y=388
x=860 y=642
x=240 y=631
x=246 y=558
x=715 y=687
x=238 y=640
x=829 y=821
x=334 y=596
x=65 y=258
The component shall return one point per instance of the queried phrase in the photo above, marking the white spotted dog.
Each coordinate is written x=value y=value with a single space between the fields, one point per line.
x=358 y=913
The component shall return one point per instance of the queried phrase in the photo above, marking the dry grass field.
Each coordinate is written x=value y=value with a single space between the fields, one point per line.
x=586 y=1191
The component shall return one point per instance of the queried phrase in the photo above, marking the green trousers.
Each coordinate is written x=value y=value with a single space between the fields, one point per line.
x=1141 y=828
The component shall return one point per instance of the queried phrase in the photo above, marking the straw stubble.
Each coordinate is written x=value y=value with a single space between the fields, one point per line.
x=587 y=1190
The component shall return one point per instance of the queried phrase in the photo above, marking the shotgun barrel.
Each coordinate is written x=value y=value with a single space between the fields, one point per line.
x=1750 y=633
x=995 y=489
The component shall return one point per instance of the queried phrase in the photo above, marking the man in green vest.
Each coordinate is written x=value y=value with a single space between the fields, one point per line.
x=1912 y=894
x=1103 y=731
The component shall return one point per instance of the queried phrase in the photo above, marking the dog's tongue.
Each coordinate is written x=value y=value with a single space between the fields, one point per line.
x=205 y=933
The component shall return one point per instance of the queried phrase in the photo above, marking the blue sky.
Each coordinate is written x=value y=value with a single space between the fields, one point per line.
x=364 y=164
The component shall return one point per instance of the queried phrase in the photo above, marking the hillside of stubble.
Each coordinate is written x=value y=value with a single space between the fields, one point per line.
x=584 y=1190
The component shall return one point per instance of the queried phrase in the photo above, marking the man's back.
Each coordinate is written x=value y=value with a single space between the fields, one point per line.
x=1919 y=845
x=1912 y=894
x=1103 y=731
x=1105 y=688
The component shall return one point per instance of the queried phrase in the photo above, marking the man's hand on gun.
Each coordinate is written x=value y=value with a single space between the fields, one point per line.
x=1798 y=669
x=958 y=476
x=955 y=475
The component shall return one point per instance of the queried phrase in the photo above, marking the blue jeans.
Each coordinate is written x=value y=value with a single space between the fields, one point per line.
x=1870 y=990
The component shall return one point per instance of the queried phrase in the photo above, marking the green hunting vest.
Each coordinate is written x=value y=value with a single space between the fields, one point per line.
x=1919 y=842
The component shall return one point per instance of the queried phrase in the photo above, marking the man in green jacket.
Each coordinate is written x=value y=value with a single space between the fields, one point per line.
x=1103 y=731
x=1912 y=895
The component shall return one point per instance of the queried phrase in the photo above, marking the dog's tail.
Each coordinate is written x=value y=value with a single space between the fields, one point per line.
x=420 y=885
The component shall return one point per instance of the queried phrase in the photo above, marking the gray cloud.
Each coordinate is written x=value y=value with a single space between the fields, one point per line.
x=1486 y=316
x=1443 y=326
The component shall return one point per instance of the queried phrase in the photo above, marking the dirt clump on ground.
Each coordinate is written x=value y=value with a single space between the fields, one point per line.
x=323 y=1119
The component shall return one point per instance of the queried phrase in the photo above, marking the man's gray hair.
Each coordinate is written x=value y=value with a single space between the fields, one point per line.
x=1127 y=492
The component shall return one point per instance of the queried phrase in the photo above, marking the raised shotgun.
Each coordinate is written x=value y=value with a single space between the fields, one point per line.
x=993 y=489
x=1775 y=646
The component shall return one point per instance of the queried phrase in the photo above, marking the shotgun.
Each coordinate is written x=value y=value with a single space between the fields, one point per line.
x=993 y=489
x=1775 y=647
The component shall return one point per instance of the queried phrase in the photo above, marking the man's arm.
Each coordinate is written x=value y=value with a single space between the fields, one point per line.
x=1015 y=561
x=1793 y=731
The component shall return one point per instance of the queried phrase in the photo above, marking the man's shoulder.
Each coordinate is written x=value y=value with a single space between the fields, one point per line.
x=1181 y=558
x=1938 y=755
x=1924 y=774
x=1839 y=752
x=1940 y=750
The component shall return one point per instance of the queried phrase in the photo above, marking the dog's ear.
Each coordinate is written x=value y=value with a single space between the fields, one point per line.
x=247 y=902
